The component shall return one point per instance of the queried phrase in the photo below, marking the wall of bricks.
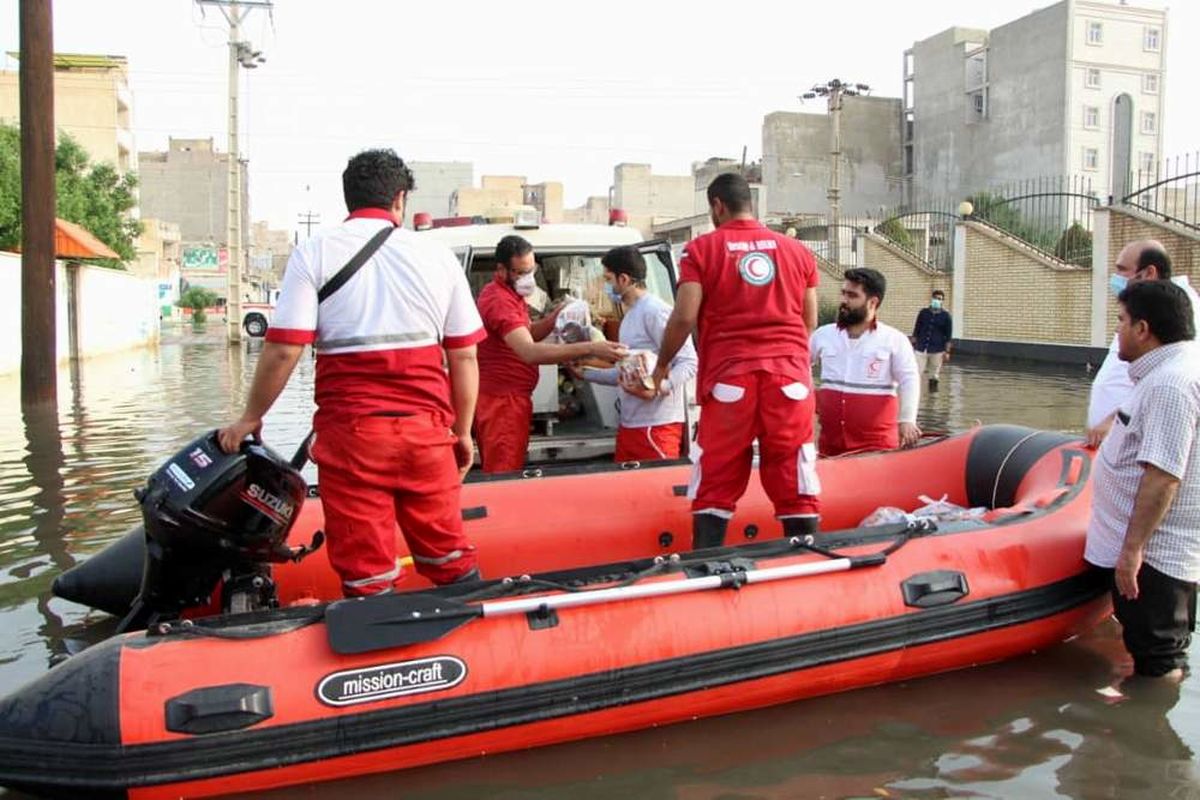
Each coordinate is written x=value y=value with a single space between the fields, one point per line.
x=909 y=281
x=1014 y=294
x=1125 y=226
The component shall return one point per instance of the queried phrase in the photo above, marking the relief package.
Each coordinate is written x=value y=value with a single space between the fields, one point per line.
x=574 y=323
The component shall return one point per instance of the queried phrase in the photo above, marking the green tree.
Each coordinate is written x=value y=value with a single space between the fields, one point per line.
x=91 y=195
x=894 y=230
x=197 y=298
x=1075 y=245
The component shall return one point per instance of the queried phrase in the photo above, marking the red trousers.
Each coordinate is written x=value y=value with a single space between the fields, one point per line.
x=653 y=443
x=502 y=430
x=856 y=423
x=376 y=472
x=776 y=410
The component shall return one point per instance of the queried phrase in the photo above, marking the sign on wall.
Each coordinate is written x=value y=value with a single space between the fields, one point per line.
x=205 y=258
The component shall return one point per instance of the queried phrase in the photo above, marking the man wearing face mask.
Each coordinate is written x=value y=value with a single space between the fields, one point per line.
x=1142 y=260
x=651 y=417
x=870 y=384
x=931 y=337
x=509 y=357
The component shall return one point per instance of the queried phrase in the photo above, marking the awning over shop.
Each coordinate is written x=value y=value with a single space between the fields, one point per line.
x=75 y=241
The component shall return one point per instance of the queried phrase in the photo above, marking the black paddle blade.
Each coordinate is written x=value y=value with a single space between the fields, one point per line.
x=363 y=624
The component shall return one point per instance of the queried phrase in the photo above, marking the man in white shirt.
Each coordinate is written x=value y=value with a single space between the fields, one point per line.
x=396 y=384
x=870 y=384
x=1145 y=524
x=1143 y=260
x=651 y=419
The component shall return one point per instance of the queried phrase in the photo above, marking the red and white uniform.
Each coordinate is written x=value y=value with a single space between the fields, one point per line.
x=754 y=379
x=868 y=386
x=383 y=444
x=506 y=383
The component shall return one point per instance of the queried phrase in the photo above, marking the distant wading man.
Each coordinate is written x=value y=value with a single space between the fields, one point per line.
x=393 y=424
x=753 y=294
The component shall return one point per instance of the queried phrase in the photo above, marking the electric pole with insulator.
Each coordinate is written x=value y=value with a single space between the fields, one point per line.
x=835 y=90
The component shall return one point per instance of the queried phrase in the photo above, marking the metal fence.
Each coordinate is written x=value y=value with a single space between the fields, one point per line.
x=1170 y=190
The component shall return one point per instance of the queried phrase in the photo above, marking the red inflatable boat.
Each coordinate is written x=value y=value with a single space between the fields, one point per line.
x=604 y=625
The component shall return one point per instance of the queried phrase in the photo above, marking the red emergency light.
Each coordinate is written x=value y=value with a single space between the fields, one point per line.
x=618 y=217
x=422 y=221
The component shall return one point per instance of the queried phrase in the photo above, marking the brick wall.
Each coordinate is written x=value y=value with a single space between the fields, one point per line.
x=909 y=282
x=1014 y=294
x=1125 y=226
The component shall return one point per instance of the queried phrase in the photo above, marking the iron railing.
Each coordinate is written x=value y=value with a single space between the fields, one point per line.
x=1170 y=190
x=924 y=231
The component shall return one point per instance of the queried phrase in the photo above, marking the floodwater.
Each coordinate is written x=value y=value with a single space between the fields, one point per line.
x=1034 y=727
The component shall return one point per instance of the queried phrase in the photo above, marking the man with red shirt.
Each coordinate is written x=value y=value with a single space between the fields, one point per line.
x=754 y=295
x=509 y=356
x=393 y=424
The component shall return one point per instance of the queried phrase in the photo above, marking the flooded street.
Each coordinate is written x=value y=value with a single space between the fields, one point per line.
x=1034 y=727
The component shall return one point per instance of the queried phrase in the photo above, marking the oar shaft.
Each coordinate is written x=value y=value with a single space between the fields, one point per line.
x=661 y=588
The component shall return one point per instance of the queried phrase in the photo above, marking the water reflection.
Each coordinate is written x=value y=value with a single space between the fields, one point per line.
x=1033 y=727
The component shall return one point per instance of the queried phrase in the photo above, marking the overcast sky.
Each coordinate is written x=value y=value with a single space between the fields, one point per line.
x=550 y=90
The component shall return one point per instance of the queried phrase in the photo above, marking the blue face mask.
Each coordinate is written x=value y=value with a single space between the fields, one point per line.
x=613 y=293
x=1117 y=283
x=935 y=304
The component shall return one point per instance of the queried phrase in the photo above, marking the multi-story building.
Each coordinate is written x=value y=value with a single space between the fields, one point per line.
x=158 y=255
x=92 y=104
x=593 y=212
x=649 y=199
x=1072 y=89
x=189 y=184
x=796 y=165
x=437 y=181
x=269 y=251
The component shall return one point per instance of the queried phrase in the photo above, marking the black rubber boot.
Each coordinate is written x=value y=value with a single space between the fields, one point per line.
x=467 y=577
x=708 y=530
x=933 y=384
x=800 y=526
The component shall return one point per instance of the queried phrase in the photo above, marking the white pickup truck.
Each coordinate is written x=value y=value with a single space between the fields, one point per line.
x=256 y=317
x=574 y=420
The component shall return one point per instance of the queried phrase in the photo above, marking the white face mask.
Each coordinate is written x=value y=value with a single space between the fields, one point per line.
x=525 y=285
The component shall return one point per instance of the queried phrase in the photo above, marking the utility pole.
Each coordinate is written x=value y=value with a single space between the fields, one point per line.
x=308 y=220
x=39 y=354
x=240 y=54
x=835 y=90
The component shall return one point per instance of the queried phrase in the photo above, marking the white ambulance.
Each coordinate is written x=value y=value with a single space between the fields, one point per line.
x=574 y=420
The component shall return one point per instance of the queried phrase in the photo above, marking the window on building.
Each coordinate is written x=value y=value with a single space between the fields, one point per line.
x=1146 y=163
x=1092 y=78
x=1095 y=33
x=1091 y=159
x=1151 y=39
x=1091 y=117
x=1150 y=84
x=1149 y=122
x=977 y=106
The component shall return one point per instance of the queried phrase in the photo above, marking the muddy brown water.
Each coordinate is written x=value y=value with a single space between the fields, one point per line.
x=1033 y=727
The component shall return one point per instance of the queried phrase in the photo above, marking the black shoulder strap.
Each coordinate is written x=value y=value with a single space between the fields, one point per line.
x=354 y=265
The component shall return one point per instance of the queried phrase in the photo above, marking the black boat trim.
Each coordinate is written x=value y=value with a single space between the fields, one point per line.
x=57 y=766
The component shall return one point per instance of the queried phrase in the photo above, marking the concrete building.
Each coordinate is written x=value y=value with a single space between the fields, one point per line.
x=269 y=251
x=499 y=195
x=649 y=199
x=92 y=103
x=437 y=181
x=189 y=184
x=547 y=198
x=1074 y=88
x=796 y=162
x=158 y=256
x=593 y=212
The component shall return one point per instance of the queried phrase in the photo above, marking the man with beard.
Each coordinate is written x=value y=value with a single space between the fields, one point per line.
x=870 y=385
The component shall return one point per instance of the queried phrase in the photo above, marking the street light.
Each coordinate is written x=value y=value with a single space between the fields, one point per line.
x=834 y=90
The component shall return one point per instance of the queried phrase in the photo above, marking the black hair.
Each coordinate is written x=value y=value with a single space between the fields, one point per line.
x=732 y=190
x=1164 y=306
x=871 y=281
x=626 y=260
x=373 y=178
x=510 y=247
x=1154 y=256
x=938 y=293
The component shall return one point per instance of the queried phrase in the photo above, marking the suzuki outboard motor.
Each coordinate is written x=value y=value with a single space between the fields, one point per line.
x=215 y=520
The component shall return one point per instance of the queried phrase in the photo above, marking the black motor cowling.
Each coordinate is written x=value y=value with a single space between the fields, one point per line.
x=213 y=518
